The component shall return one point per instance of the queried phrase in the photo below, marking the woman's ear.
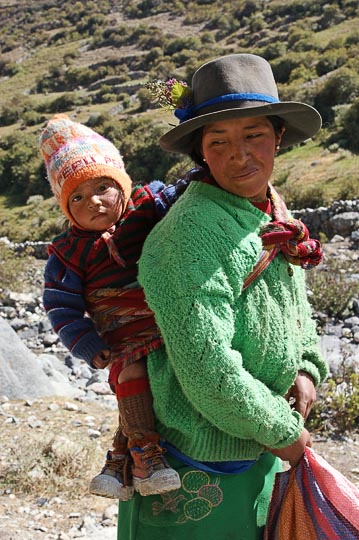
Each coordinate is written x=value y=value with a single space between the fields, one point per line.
x=279 y=136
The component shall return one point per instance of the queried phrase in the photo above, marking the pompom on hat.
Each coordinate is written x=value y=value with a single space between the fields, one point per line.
x=238 y=86
x=73 y=153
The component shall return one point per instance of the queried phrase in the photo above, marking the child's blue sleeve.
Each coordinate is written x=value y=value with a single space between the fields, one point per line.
x=166 y=195
x=65 y=307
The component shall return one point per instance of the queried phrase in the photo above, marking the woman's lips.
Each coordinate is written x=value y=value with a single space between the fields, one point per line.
x=244 y=174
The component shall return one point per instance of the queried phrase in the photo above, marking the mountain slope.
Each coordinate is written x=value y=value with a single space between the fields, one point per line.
x=92 y=59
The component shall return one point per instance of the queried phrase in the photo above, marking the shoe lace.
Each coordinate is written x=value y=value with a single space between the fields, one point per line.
x=115 y=464
x=123 y=466
x=153 y=456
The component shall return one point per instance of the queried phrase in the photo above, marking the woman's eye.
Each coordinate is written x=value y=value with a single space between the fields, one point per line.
x=217 y=142
x=76 y=198
x=103 y=187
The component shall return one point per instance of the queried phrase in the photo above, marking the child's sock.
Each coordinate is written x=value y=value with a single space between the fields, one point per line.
x=135 y=405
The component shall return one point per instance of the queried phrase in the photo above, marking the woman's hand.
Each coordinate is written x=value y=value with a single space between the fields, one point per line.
x=102 y=359
x=303 y=393
x=295 y=451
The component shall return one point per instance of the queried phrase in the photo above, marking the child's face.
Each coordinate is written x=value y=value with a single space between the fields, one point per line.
x=96 y=204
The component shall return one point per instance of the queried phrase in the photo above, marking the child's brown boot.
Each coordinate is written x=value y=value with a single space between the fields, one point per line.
x=110 y=482
x=114 y=479
x=151 y=472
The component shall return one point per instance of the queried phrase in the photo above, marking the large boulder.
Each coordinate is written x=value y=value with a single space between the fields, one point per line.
x=22 y=374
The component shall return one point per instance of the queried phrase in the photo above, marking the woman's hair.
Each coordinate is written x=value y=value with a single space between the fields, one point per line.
x=196 y=154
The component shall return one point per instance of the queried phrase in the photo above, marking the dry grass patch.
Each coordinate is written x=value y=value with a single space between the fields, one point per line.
x=47 y=450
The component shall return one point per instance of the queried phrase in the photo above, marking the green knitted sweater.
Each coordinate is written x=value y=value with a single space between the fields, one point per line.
x=229 y=357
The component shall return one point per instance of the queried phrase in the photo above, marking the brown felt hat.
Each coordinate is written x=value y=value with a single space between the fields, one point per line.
x=238 y=86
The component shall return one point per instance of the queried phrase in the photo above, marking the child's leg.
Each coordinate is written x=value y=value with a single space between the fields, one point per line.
x=113 y=480
x=151 y=472
x=135 y=402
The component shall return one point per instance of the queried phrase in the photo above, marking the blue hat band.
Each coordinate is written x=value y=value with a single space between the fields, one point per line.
x=187 y=114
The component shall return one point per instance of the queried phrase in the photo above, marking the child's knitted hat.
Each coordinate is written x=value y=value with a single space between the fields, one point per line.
x=74 y=153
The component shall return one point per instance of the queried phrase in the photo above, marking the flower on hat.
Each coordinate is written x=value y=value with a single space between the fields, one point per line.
x=171 y=95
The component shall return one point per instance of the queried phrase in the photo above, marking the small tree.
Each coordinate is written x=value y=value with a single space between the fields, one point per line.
x=351 y=126
x=341 y=87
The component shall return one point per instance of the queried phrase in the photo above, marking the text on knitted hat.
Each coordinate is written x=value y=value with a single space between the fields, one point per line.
x=85 y=162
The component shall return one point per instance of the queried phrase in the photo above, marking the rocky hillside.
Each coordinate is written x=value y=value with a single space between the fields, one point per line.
x=58 y=422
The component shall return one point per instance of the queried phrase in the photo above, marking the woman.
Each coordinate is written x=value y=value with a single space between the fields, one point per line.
x=239 y=345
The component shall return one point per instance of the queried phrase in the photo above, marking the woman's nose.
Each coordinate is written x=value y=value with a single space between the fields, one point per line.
x=239 y=151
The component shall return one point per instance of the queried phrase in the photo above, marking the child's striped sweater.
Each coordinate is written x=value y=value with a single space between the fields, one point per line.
x=80 y=265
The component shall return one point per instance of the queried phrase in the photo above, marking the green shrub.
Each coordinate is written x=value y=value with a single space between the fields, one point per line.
x=12 y=111
x=178 y=44
x=20 y=167
x=330 y=289
x=274 y=50
x=329 y=62
x=283 y=66
x=336 y=410
x=331 y=15
x=298 y=197
x=12 y=270
x=350 y=126
x=32 y=118
x=341 y=87
x=137 y=139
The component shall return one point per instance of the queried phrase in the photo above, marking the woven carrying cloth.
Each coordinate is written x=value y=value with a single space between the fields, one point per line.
x=287 y=235
x=313 y=501
x=124 y=320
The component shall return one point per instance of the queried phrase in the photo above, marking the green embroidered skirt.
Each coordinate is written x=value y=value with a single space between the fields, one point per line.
x=206 y=507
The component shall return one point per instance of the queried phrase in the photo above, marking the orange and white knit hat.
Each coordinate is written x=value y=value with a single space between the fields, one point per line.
x=74 y=153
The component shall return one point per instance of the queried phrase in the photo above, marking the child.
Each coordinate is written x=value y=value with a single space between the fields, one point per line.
x=92 y=297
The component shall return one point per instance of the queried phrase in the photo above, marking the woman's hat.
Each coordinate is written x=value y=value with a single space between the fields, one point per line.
x=238 y=86
x=73 y=153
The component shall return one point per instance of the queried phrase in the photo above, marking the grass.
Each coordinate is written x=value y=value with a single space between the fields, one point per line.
x=55 y=457
x=33 y=66
x=345 y=28
x=336 y=411
x=311 y=166
x=39 y=220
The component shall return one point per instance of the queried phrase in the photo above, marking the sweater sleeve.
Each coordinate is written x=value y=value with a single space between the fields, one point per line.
x=166 y=195
x=65 y=307
x=197 y=321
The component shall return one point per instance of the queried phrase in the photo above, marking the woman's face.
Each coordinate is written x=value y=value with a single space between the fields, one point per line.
x=96 y=204
x=240 y=155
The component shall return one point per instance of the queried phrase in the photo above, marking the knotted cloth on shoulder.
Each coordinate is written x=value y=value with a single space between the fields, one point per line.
x=287 y=235
x=292 y=239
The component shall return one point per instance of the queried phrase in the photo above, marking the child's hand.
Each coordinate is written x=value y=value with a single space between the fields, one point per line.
x=102 y=359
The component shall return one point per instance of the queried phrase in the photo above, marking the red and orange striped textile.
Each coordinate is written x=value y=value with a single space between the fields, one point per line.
x=313 y=501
